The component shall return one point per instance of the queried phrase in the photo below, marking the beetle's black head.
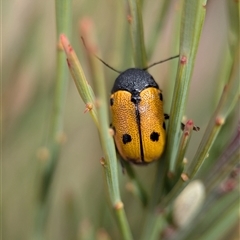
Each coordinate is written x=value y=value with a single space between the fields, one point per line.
x=134 y=80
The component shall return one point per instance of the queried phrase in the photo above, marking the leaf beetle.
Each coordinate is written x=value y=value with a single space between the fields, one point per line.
x=136 y=105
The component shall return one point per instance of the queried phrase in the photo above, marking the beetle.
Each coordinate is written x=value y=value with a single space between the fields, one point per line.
x=138 y=124
x=136 y=105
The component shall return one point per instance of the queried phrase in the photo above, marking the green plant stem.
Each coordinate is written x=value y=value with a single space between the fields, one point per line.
x=233 y=8
x=138 y=189
x=63 y=20
x=63 y=25
x=228 y=100
x=110 y=161
x=157 y=28
x=228 y=159
x=121 y=40
x=158 y=189
x=184 y=141
x=191 y=26
x=233 y=11
x=123 y=223
x=84 y=89
x=160 y=223
x=137 y=34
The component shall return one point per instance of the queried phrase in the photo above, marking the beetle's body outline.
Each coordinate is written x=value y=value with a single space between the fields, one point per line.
x=137 y=116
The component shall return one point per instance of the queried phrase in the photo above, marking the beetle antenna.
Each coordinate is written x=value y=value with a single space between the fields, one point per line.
x=115 y=70
x=98 y=57
x=162 y=61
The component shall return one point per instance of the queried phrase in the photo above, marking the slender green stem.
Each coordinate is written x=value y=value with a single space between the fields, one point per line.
x=160 y=224
x=228 y=53
x=183 y=144
x=136 y=186
x=186 y=135
x=227 y=161
x=137 y=34
x=122 y=222
x=158 y=190
x=228 y=100
x=63 y=20
x=110 y=160
x=121 y=40
x=234 y=20
x=191 y=26
x=79 y=78
x=158 y=26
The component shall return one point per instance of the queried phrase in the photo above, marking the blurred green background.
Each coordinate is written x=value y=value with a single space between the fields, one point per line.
x=78 y=197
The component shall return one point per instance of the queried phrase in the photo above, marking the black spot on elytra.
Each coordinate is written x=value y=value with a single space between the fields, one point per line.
x=126 y=138
x=154 y=136
x=111 y=101
x=161 y=96
x=164 y=125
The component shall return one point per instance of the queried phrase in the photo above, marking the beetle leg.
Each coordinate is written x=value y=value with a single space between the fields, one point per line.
x=166 y=116
x=195 y=128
